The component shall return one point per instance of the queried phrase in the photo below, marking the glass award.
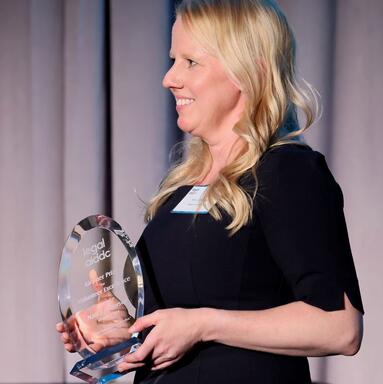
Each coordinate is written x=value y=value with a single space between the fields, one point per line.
x=101 y=294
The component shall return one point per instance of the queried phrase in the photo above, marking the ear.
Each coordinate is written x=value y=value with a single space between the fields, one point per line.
x=236 y=82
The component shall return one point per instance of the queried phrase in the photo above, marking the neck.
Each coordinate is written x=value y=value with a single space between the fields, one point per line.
x=222 y=152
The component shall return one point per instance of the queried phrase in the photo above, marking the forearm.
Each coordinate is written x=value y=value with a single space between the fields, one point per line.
x=296 y=329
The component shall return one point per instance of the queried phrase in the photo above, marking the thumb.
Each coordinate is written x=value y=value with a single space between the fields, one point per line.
x=142 y=323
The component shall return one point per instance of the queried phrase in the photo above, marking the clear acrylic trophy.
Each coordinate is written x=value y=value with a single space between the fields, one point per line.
x=101 y=294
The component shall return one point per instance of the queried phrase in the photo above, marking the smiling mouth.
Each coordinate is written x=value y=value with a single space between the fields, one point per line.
x=184 y=101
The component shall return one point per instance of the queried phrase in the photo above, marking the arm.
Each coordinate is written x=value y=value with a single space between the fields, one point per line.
x=296 y=329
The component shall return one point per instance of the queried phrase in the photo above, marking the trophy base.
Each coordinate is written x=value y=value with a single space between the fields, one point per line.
x=93 y=368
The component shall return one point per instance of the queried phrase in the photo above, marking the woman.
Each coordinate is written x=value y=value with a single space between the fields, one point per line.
x=247 y=261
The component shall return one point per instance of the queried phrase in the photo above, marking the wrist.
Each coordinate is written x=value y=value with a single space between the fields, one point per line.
x=207 y=319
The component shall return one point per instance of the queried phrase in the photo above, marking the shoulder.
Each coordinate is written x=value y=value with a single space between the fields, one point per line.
x=292 y=171
x=293 y=163
x=291 y=157
x=296 y=170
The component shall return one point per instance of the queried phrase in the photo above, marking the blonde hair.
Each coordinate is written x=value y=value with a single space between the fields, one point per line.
x=256 y=46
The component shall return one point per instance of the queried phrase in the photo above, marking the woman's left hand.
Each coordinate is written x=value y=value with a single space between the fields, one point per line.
x=175 y=331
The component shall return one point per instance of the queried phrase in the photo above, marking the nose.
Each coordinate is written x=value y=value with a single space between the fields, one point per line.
x=172 y=78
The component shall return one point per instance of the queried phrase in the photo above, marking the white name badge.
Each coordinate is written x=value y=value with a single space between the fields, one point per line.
x=192 y=202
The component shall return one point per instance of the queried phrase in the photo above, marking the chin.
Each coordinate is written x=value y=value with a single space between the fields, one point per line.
x=190 y=131
x=188 y=128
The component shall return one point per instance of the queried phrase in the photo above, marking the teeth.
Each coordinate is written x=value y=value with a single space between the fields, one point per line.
x=184 y=101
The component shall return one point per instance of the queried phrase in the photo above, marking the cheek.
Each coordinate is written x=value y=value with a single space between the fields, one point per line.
x=201 y=86
x=227 y=95
x=215 y=91
x=225 y=90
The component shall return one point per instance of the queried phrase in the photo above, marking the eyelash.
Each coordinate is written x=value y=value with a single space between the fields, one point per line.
x=191 y=62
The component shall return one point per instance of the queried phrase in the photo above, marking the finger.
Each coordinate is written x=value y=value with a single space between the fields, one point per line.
x=164 y=365
x=73 y=336
x=65 y=327
x=162 y=359
x=143 y=322
x=69 y=347
x=141 y=353
x=161 y=352
x=60 y=327
x=70 y=323
x=65 y=337
x=96 y=347
x=129 y=366
x=78 y=337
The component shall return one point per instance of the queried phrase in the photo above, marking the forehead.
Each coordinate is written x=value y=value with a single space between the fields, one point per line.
x=183 y=39
x=179 y=27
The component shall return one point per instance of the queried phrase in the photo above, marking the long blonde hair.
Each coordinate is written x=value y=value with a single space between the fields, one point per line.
x=256 y=46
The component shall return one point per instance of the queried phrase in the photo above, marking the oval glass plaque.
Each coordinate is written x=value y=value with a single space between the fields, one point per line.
x=100 y=294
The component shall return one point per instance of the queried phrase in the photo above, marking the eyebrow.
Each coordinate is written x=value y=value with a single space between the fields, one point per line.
x=187 y=55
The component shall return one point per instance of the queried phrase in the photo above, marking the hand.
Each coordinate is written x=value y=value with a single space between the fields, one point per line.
x=104 y=324
x=65 y=330
x=175 y=332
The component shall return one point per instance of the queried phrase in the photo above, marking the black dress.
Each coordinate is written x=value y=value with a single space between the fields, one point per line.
x=296 y=248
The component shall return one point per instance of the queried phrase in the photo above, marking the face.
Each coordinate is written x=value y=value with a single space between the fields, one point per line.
x=207 y=100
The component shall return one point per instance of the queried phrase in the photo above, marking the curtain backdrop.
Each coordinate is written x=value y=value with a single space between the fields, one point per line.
x=340 y=51
x=85 y=127
x=32 y=189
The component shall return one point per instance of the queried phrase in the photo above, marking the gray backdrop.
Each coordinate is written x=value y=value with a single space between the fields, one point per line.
x=53 y=150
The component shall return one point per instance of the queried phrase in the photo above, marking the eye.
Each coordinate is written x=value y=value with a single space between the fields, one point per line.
x=191 y=62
